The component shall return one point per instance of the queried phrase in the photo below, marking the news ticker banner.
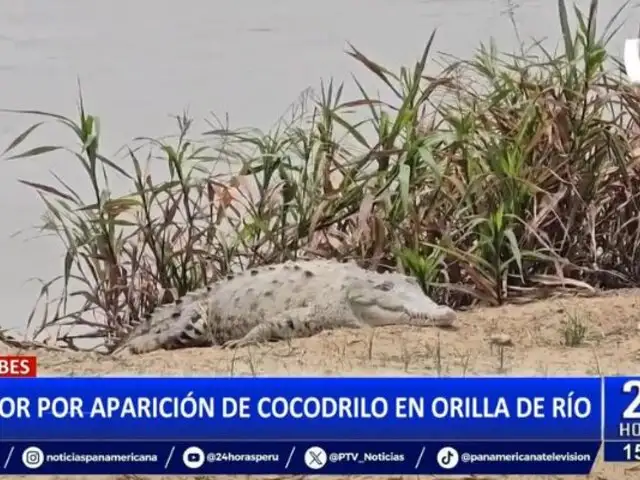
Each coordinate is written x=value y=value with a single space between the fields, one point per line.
x=295 y=458
x=562 y=420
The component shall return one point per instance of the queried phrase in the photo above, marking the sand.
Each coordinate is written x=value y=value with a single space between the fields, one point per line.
x=539 y=332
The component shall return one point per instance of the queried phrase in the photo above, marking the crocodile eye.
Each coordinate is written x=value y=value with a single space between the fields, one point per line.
x=385 y=286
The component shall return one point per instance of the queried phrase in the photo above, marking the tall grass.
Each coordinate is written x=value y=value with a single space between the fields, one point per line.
x=501 y=177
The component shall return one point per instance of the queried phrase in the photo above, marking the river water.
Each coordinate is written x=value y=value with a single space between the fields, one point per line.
x=140 y=62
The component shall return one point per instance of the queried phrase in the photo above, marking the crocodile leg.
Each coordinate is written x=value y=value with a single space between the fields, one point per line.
x=297 y=323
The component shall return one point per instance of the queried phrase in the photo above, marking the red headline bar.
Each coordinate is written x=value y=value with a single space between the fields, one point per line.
x=18 y=366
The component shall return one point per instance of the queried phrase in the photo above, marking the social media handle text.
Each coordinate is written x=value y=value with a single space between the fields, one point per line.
x=195 y=457
x=454 y=458
x=366 y=457
x=285 y=457
x=35 y=458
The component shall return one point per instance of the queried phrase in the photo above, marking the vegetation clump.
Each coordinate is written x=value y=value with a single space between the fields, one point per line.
x=503 y=176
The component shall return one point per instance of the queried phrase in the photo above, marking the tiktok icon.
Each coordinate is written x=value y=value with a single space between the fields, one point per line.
x=448 y=458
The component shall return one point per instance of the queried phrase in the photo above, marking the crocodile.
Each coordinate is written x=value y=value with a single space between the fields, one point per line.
x=283 y=301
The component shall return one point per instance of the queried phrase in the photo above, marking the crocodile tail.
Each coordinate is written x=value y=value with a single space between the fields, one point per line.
x=186 y=328
x=158 y=328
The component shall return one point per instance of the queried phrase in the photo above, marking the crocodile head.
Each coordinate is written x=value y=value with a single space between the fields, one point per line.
x=396 y=300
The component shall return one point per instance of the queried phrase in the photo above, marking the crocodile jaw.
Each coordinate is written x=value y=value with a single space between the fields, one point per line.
x=397 y=304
